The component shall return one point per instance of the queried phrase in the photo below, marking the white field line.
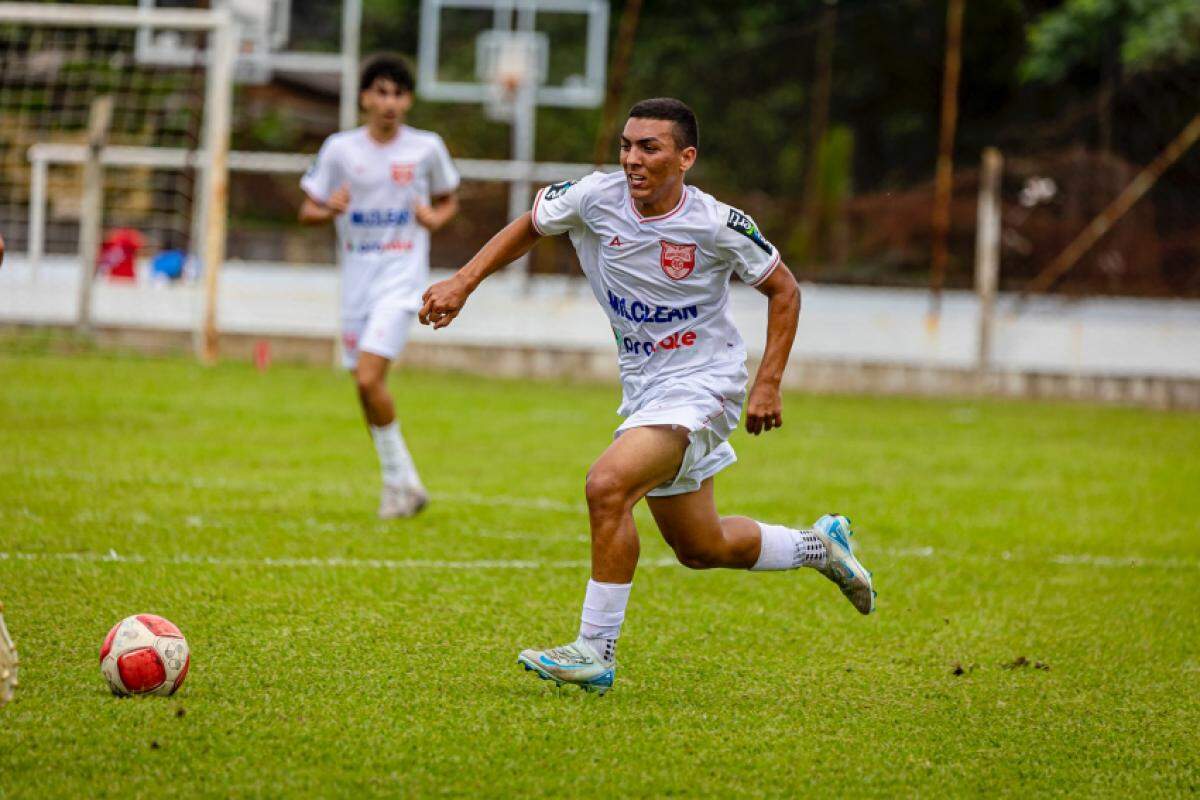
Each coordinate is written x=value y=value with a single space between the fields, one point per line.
x=284 y=562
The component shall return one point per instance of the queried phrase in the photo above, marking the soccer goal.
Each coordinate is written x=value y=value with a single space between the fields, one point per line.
x=93 y=133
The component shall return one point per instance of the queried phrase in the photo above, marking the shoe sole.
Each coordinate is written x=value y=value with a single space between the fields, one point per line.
x=590 y=688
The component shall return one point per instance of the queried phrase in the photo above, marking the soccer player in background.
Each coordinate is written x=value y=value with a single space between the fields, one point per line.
x=659 y=255
x=386 y=187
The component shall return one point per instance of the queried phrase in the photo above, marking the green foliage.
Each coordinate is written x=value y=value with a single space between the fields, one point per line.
x=334 y=655
x=1146 y=34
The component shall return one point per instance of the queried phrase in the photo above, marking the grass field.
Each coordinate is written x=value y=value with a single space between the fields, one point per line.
x=1038 y=629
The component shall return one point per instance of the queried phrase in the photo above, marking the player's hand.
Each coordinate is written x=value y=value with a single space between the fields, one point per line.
x=339 y=201
x=764 y=412
x=443 y=301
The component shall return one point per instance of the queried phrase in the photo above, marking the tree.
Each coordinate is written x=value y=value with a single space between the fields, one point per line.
x=1083 y=34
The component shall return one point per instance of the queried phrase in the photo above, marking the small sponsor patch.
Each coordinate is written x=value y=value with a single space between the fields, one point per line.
x=556 y=190
x=743 y=224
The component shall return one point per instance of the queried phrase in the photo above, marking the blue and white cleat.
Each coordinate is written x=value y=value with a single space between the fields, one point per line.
x=576 y=663
x=841 y=566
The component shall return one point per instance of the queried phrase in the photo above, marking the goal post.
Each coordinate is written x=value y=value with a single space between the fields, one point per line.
x=55 y=59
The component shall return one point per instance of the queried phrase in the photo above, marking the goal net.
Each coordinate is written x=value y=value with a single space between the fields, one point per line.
x=56 y=63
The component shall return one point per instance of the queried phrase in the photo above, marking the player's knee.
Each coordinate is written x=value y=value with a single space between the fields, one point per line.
x=605 y=490
x=366 y=382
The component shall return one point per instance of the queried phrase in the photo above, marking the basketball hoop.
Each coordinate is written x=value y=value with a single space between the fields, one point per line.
x=509 y=63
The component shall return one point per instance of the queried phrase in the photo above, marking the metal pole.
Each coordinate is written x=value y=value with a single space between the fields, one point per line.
x=524 y=134
x=351 y=33
x=92 y=207
x=218 y=105
x=347 y=119
x=987 y=251
x=37 y=216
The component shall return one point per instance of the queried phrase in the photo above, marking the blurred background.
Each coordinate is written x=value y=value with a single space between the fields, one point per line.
x=854 y=132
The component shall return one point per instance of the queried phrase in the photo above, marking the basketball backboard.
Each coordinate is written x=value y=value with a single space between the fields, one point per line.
x=490 y=25
x=263 y=28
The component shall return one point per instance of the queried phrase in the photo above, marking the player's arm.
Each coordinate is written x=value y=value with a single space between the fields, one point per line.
x=445 y=299
x=764 y=411
x=314 y=212
x=441 y=209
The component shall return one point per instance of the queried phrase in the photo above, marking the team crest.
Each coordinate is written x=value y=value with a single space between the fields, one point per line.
x=402 y=173
x=677 y=260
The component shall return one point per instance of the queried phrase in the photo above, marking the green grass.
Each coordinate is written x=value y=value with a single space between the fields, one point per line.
x=376 y=675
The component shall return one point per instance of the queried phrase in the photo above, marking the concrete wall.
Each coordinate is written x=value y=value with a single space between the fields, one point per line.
x=850 y=339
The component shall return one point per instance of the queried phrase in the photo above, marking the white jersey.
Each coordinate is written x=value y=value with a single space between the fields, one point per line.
x=663 y=281
x=385 y=251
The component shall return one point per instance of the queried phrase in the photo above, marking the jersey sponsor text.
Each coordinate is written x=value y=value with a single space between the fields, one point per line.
x=638 y=311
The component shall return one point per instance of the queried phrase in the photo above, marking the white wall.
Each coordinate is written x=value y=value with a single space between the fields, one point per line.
x=889 y=326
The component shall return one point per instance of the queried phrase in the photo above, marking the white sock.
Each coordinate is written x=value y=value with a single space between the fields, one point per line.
x=394 y=460
x=603 y=612
x=788 y=548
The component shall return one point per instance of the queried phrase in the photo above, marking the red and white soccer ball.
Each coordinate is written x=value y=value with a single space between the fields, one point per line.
x=144 y=654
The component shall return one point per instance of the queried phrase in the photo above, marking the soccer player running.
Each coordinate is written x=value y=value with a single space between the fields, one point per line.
x=659 y=255
x=386 y=186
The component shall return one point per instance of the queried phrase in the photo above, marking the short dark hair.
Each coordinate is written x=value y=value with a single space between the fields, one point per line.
x=386 y=65
x=687 y=130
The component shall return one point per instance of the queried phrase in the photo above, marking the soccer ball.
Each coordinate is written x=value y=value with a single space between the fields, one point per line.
x=144 y=654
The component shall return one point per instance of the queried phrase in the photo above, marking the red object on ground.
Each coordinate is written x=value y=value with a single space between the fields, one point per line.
x=262 y=354
x=118 y=252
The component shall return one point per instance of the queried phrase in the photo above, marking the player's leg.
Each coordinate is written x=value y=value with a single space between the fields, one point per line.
x=702 y=539
x=382 y=341
x=370 y=378
x=636 y=462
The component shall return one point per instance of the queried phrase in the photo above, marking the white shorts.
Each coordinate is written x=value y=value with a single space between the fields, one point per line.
x=383 y=332
x=709 y=413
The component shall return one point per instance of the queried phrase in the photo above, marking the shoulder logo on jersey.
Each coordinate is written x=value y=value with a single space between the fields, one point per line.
x=556 y=190
x=402 y=173
x=677 y=260
x=745 y=226
x=616 y=242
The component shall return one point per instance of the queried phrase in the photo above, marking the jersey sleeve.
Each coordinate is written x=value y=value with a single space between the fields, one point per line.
x=323 y=176
x=562 y=207
x=443 y=176
x=753 y=258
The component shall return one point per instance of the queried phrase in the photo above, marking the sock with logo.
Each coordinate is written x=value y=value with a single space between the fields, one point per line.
x=789 y=548
x=603 y=612
x=394 y=460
